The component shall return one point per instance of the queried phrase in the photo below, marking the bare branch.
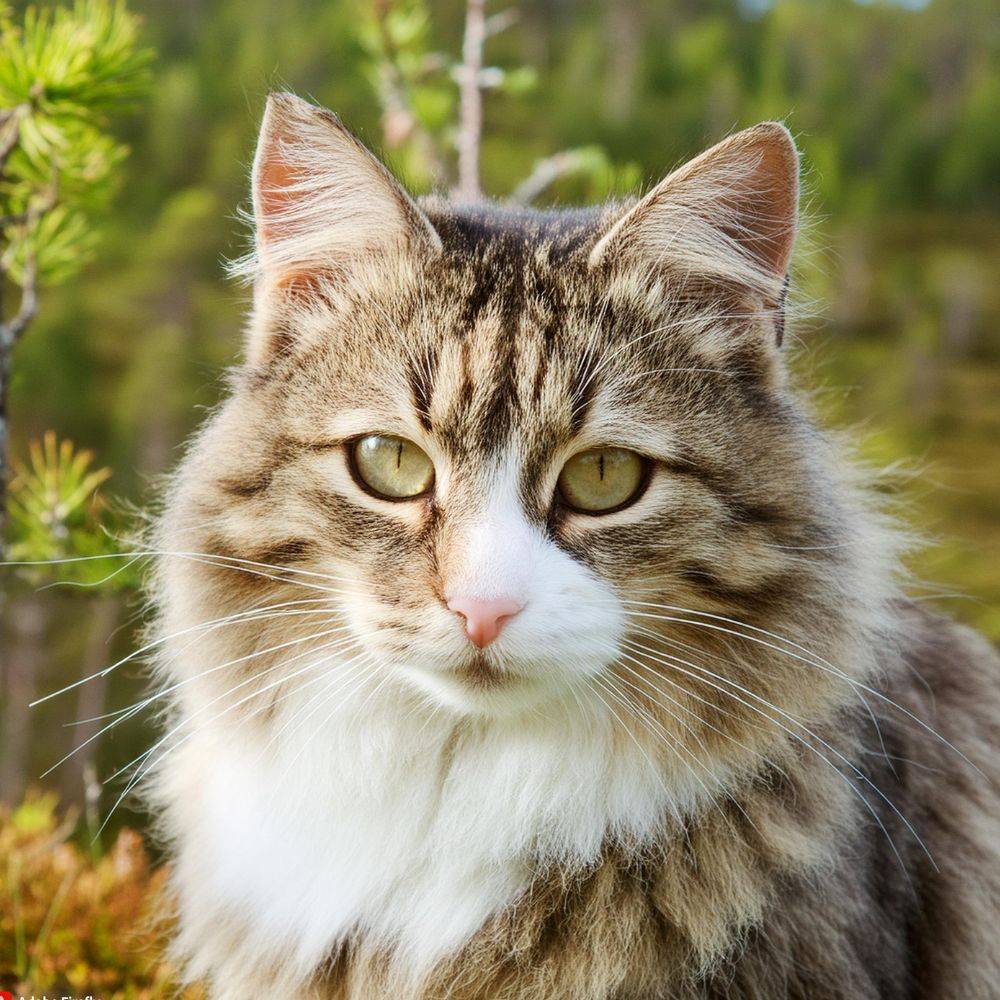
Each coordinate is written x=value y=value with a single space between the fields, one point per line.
x=544 y=174
x=31 y=215
x=501 y=21
x=12 y=330
x=470 y=126
x=10 y=131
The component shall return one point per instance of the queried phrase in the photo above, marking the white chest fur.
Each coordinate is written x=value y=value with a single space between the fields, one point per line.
x=407 y=828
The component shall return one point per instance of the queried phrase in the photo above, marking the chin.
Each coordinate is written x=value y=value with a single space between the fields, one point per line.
x=483 y=687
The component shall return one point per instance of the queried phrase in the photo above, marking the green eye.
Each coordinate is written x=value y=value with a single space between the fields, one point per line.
x=602 y=479
x=392 y=467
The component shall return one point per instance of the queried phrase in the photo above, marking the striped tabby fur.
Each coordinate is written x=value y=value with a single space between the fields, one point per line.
x=699 y=763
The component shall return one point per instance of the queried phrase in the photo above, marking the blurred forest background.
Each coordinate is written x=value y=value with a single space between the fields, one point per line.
x=896 y=107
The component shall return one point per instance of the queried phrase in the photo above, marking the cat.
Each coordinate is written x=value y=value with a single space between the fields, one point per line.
x=525 y=639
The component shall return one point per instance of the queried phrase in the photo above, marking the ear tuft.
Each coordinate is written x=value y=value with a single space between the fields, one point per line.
x=728 y=215
x=321 y=201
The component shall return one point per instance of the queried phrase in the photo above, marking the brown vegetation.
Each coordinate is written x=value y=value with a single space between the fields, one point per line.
x=76 y=919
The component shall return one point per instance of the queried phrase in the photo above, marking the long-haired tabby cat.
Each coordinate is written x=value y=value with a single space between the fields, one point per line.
x=526 y=640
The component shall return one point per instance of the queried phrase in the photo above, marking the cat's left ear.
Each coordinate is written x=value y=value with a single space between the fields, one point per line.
x=728 y=216
x=322 y=203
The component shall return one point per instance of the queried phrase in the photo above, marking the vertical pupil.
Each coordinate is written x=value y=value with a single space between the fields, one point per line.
x=600 y=465
x=399 y=455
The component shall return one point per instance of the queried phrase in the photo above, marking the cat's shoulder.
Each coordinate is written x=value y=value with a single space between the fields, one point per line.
x=950 y=681
x=953 y=658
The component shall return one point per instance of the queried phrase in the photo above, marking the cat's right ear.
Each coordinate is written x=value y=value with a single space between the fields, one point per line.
x=322 y=203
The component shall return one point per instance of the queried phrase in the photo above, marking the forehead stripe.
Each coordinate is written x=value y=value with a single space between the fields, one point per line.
x=422 y=372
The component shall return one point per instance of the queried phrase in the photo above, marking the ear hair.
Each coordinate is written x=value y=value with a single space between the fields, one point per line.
x=321 y=201
x=729 y=215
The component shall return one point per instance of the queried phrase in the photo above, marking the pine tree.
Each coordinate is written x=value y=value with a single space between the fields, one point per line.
x=64 y=72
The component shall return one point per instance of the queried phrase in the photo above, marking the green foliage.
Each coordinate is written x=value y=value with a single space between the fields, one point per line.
x=57 y=515
x=411 y=82
x=72 y=62
x=63 y=71
x=417 y=87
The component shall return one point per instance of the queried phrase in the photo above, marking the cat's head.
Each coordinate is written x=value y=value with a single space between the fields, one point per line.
x=515 y=452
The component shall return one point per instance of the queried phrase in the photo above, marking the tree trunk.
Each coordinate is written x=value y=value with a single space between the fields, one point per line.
x=91 y=697
x=23 y=651
x=625 y=41
x=5 y=356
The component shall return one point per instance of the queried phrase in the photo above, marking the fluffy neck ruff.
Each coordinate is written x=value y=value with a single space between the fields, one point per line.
x=414 y=850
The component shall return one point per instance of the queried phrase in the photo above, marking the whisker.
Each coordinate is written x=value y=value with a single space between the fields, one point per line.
x=180 y=554
x=84 y=584
x=673 y=664
x=819 y=662
x=140 y=705
x=732 y=739
x=253 y=694
x=236 y=618
x=369 y=669
x=337 y=681
x=676 y=746
x=596 y=679
x=142 y=772
x=859 y=694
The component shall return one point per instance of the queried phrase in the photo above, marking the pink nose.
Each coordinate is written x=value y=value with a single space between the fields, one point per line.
x=484 y=618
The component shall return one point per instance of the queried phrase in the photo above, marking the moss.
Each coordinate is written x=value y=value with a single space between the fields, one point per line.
x=78 y=921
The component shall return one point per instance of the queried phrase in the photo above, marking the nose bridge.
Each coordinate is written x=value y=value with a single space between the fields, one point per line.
x=495 y=557
x=489 y=546
x=487 y=570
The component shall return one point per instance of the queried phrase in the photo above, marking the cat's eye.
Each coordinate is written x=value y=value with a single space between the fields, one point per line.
x=392 y=467
x=602 y=479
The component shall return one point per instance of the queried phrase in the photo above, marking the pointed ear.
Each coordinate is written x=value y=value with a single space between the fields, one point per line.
x=321 y=201
x=728 y=216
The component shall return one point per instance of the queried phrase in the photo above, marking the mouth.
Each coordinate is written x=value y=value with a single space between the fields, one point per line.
x=482 y=672
x=479 y=684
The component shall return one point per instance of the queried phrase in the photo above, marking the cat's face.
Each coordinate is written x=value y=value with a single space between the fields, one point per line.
x=511 y=443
